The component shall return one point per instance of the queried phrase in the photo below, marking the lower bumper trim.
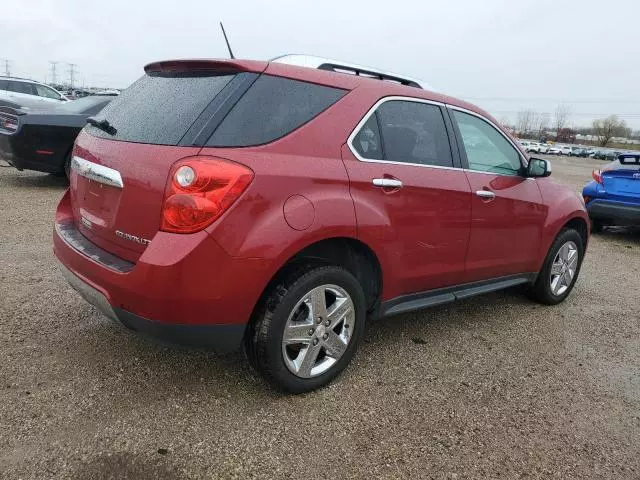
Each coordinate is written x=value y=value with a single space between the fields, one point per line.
x=220 y=338
x=614 y=212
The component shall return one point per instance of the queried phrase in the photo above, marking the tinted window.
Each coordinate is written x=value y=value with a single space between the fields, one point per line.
x=46 y=92
x=487 y=149
x=367 y=142
x=414 y=132
x=21 y=87
x=159 y=109
x=272 y=108
x=4 y=84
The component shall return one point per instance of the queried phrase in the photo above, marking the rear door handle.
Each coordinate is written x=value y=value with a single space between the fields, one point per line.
x=387 y=182
x=486 y=194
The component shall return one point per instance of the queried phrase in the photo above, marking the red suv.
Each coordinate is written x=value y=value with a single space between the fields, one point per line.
x=283 y=205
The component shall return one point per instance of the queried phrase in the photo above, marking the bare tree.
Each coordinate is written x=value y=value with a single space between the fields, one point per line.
x=608 y=128
x=561 y=116
x=540 y=124
x=525 y=121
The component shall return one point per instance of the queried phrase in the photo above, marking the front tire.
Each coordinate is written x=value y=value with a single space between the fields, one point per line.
x=560 y=269
x=308 y=329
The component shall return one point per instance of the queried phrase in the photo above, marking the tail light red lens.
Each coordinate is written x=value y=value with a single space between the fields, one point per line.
x=597 y=175
x=8 y=122
x=199 y=191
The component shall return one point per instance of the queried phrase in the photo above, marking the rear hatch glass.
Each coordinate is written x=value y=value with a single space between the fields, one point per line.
x=159 y=109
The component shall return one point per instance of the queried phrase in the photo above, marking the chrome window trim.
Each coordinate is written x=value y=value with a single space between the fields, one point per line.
x=390 y=98
x=368 y=115
x=96 y=172
x=523 y=162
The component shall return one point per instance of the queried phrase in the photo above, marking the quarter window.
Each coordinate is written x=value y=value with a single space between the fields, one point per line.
x=487 y=149
x=272 y=108
x=408 y=132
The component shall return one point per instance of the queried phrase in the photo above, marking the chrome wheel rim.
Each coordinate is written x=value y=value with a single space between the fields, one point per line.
x=318 y=331
x=563 y=269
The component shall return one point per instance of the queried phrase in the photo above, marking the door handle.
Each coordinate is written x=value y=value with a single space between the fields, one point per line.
x=387 y=182
x=486 y=194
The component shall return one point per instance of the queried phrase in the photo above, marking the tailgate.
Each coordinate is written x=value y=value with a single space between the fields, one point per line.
x=117 y=190
x=622 y=181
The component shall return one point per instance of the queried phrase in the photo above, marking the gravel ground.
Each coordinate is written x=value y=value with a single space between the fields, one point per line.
x=492 y=387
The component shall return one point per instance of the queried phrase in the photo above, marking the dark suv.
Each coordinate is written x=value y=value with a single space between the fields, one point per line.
x=282 y=207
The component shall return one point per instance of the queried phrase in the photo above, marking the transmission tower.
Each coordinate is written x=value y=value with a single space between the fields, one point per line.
x=54 y=76
x=72 y=73
x=7 y=67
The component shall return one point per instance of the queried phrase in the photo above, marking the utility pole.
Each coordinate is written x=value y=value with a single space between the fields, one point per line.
x=7 y=68
x=54 y=77
x=72 y=73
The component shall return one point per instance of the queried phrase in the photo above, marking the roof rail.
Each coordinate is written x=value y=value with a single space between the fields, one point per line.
x=321 y=63
x=18 y=78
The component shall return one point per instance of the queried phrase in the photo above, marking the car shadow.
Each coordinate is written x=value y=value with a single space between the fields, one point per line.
x=631 y=234
x=35 y=180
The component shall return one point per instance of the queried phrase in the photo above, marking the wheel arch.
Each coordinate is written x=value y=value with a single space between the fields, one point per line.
x=347 y=252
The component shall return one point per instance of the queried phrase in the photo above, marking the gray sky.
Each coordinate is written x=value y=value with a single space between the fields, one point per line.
x=501 y=55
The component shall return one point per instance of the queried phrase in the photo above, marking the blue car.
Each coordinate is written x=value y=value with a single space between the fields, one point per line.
x=613 y=196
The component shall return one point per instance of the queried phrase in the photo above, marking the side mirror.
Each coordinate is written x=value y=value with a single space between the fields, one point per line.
x=538 y=167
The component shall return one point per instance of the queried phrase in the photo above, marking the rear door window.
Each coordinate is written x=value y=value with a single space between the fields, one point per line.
x=159 y=109
x=272 y=108
x=407 y=132
x=21 y=87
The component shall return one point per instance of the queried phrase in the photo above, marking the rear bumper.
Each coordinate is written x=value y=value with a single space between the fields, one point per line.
x=183 y=289
x=13 y=151
x=614 y=212
x=219 y=338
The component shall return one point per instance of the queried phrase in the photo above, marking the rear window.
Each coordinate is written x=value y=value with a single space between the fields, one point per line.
x=159 y=109
x=272 y=108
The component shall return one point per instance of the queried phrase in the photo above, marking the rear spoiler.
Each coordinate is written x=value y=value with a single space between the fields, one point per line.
x=195 y=66
x=629 y=158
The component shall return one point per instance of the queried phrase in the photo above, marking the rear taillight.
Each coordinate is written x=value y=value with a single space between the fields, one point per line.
x=200 y=190
x=597 y=175
x=8 y=122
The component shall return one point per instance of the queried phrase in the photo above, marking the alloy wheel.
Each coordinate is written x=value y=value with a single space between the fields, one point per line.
x=318 y=331
x=563 y=269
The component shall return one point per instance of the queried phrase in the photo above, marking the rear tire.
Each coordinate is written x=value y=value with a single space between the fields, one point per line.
x=563 y=260
x=308 y=329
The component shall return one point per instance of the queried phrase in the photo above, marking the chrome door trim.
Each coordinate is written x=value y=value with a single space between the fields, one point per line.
x=485 y=194
x=387 y=182
x=97 y=173
x=371 y=111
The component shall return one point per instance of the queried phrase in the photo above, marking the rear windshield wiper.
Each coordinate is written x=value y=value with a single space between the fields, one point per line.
x=103 y=125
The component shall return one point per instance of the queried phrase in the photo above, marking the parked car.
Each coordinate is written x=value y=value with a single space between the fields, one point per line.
x=42 y=141
x=578 y=152
x=266 y=211
x=21 y=93
x=565 y=150
x=554 y=150
x=613 y=196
